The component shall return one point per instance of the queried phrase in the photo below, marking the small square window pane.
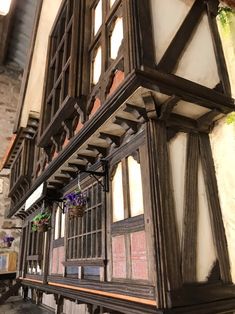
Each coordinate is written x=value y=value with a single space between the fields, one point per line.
x=135 y=186
x=111 y=3
x=97 y=66
x=117 y=195
x=57 y=224
x=62 y=225
x=116 y=38
x=98 y=17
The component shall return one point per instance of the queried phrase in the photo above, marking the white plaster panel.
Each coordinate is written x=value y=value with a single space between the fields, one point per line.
x=177 y=153
x=167 y=16
x=223 y=149
x=48 y=300
x=34 y=91
x=227 y=33
x=190 y=110
x=198 y=62
x=206 y=254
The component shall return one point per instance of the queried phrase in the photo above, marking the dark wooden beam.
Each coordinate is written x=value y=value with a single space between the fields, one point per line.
x=138 y=112
x=186 y=90
x=117 y=140
x=150 y=105
x=205 y=121
x=167 y=107
x=214 y=207
x=212 y=9
x=167 y=249
x=182 y=37
x=100 y=149
x=89 y=159
x=184 y=124
x=127 y=123
x=189 y=248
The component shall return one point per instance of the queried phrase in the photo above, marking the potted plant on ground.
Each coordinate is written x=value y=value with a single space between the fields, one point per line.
x=75 y=203
x=41 y=222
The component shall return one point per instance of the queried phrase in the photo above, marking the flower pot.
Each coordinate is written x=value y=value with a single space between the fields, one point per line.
x=76 y=211
x=42 y=228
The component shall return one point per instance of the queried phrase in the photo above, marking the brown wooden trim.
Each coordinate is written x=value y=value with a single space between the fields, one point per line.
x=113 y=304
x=185 y=89
x=111 y=295
x=214 y=207
x=128 y=225
x=126 y=88
x=199 y=293
x=163 y=211
x=34 y=257
x=58 y=243
x=212 y=9
x=189 y=249
x=34 y=278
x=85 y=262
x=176 y=47
x=138 y=289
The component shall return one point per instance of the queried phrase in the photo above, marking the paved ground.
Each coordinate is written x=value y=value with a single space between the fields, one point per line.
x=15 y=305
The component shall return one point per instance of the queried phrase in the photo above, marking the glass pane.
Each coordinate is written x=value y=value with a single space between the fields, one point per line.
x=62 y=225
x=117 y=195
x=116 y=38
x=57 y=224
x=135 y=186
x=97 y=66
x=98 y=17
x=111 y=3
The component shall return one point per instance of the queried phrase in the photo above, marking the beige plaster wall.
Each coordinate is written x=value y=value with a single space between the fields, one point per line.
x=33 y=97
x=223 y=147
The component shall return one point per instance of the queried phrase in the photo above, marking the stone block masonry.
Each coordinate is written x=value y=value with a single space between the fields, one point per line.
x=10 y=81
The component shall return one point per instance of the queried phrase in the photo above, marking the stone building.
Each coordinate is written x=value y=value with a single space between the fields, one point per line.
x=15 y=34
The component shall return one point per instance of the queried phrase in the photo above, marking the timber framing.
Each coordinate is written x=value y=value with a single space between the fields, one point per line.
x=132 y=110
x=139 y=82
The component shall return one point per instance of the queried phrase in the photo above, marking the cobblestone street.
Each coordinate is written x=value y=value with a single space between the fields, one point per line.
x=15 y=305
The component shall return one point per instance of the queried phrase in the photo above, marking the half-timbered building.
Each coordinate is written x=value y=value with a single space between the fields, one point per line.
x=119 y=97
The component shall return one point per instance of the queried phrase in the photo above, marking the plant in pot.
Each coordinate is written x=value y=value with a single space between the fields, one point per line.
x=8 y=240
x=41 y=221
x=75 y=203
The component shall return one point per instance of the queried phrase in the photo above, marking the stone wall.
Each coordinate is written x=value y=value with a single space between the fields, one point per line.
x=10 y=80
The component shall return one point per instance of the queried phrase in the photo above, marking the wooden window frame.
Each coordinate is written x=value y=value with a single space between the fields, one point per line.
x=101 y=38
x=57 y=242
x=129 y=225
x=35 y=249
x=95 y=260
x=64 y=105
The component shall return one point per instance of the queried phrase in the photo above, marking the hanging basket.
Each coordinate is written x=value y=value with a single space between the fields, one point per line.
x=76 y=211
x=42 y=228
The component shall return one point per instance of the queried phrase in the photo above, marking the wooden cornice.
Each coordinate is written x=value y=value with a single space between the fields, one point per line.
x=149 y=79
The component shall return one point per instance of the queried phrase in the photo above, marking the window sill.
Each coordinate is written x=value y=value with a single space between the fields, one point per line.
x=85 y=262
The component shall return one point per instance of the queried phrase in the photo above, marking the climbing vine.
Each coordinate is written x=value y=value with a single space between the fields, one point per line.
x=231 y=118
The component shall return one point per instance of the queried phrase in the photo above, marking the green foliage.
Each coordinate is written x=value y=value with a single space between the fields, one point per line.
x=230 y=118
x=41 y=219
x=224 y=16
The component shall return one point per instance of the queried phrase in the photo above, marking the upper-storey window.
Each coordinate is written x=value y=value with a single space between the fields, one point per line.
x=106 y=53
x=61 y=76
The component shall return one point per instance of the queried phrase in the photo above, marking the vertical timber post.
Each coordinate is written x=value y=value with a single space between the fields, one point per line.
x=163 y=211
